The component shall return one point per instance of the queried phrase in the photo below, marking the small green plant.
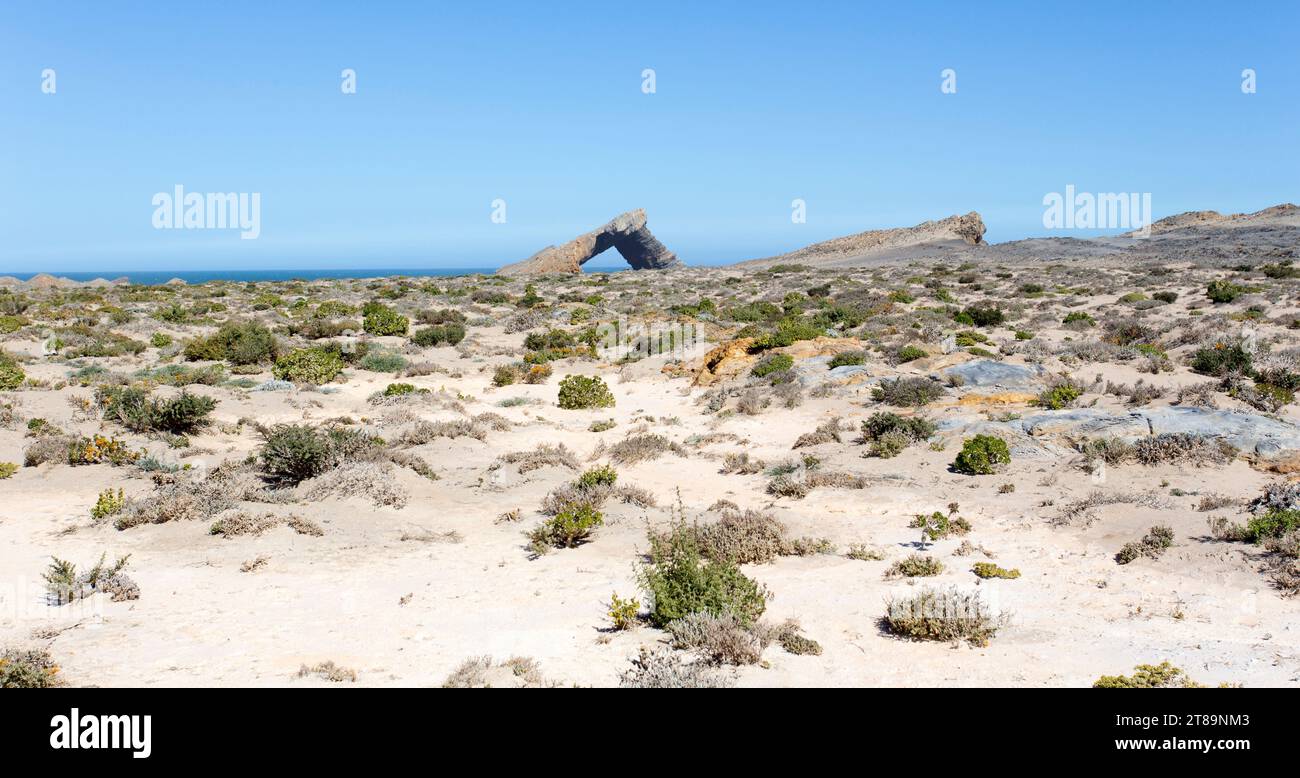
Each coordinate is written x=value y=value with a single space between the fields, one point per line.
x=28 y=670
x=110 y=503
x=984 y=314
x=399 y=389
x=623 y=613
x=160 y=340
x=1161 y=676
x=907 y=392
x=1080 y=319
x=982 y=455
x=569 y=528
x=581 y=392
x=1222 y=359
x=1060 y=396
x=11 y=375
x=910 y=353
x=1220 y=291
x=597 y=477
x=846 y=358
x=1157 y=540
x=379 y=319
x=308 y=366
x=915 y=566
x=937 y=525
x=990 y=570
x=239 y=343
x=7 y=469
x=773 y=363
x=292 y=453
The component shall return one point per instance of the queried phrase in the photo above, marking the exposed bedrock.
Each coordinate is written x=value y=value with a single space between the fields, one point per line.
x=627 y=234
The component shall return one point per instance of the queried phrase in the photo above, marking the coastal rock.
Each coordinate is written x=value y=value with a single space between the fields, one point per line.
x=627 y=234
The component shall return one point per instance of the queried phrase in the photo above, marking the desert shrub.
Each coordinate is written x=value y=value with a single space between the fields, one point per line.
x=28 y=670
x=580 y=392
x=505 y=375
x=643 y=448
x=990 y=570
x=909 y=392
x=1165 y=297
x=1061 y=394
x=537 y=374
x=109 y=503
x=845 y=358
x=1182 y=447
x=379 y=319
x=881 y=424
x=942 y=614
x=65 y=585
x=569 y=528
x=308 y=366
x=679 y=582
x=11 y=375
x=450 y=334
x=7 y=469
x=719 y=638
x=96 y=449
x=909 y=353
x=1161 y=676
x=134 y=409
x=544 y=455
x=239 y=343
x=914 y=566
x=982 y=455
x=443 y=316
x=623 y=613
x=1222 y=359
x=937 y=525
x=786 y=333
x=1273 y=524
x=295 y=452
x=1112 y=450
x=1079 y=320
x=772 y=363
x=1221 y=291
x=667 y=670
x=747 y=537
x=984 y=314
x=1157 y=540
x=597 y=476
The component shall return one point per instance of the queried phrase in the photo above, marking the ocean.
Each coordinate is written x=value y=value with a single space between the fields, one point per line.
x=151 y=277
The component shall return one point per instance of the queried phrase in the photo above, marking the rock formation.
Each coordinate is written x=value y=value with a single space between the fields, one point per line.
x=965 y=230
x=626 y=233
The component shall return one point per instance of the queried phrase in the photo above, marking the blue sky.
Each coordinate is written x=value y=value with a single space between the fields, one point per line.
x=541 y=105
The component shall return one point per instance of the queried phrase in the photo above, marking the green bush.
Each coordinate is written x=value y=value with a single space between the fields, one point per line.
x=28 y=670
x=450 y=334
x=845 y=358
x=1060 y=396
x=991 y=570
x=1221 y=291
x=379 y=319
x=569 y=528
x=382 y=361
x=678 y=582
x=772 y=363
x=292 y=453
x=982 y=455
x=1222 y=359
x=7 y=469
x=910 y=353
x=598 y=477
x=11 y=375
x=397 y=390
x=579 y=391
x=160 y=340
x=1080 y=317
x=984 y=314
x=308 y=366
x=134 y=409
x=787 y=332
x=909 y=392
x=239 y=343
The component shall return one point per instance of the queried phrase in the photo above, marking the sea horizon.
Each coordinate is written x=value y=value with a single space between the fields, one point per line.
x=155 y=277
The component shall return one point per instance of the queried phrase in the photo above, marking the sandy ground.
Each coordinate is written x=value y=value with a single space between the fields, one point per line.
x=408 y=612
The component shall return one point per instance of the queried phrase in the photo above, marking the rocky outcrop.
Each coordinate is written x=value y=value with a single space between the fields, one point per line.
x=627 y=234
x=965 y=230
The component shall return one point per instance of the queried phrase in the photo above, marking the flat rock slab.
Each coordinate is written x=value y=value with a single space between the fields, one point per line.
x=1252 y=433
x=989 y=373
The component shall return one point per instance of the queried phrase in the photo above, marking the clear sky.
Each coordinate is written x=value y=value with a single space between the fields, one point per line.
x=541 y=105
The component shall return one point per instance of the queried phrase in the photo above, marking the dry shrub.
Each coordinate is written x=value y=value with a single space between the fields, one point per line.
x=372 y=480
x=427 y=431
x=719 y=639
x=329 y=672
x=1183 y=448
x=667 y=670
x=942 y=614
x=545 y=455
x=741 y=463
x=826 y=432
x=643 y=448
